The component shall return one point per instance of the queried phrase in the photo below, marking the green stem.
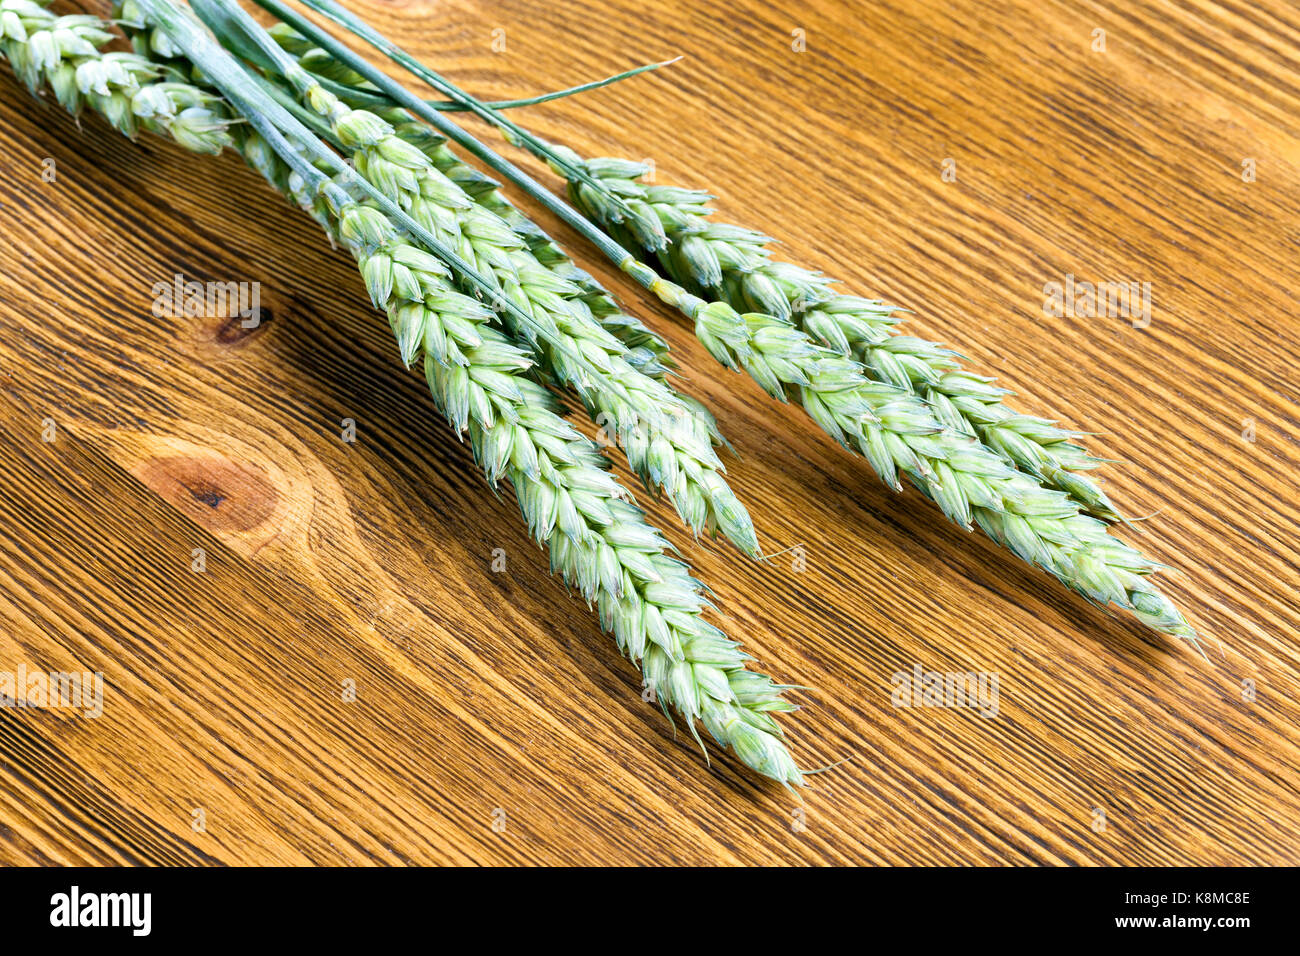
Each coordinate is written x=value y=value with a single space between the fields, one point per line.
x=272 y=122
x=665 y=290
x=372 y=100
x=286 y=99
x=347 y=20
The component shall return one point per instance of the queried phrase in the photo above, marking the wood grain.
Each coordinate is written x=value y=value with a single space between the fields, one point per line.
x=481 y=693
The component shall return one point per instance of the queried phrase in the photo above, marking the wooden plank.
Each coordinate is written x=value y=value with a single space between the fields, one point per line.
x=484 y=696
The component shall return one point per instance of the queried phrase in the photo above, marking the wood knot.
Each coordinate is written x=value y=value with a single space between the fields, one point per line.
x=250 y=495
x=238 y=328
x=220 y=494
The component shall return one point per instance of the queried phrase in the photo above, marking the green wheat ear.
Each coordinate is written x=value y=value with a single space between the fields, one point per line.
x=898 y=431
x=718 y=260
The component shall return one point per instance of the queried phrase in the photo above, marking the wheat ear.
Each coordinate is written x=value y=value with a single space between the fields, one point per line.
x=645 y=349
x=598 y=541
x=724 y=261
x=899 y=431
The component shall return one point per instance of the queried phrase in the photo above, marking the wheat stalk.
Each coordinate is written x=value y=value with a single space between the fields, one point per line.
x=895 y=429
x=598 y=541
x=732 y=263
x=899 y=431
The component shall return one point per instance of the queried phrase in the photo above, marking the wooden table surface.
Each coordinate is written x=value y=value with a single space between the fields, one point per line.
x=493 y=721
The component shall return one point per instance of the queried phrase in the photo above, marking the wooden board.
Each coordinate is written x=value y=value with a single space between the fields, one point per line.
x=491 y=697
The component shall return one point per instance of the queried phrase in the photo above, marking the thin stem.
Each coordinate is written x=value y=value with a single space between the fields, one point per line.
x=286 y=99
x=360 y=98
x=345 y=19
x=664 y=289
x=446 y=106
